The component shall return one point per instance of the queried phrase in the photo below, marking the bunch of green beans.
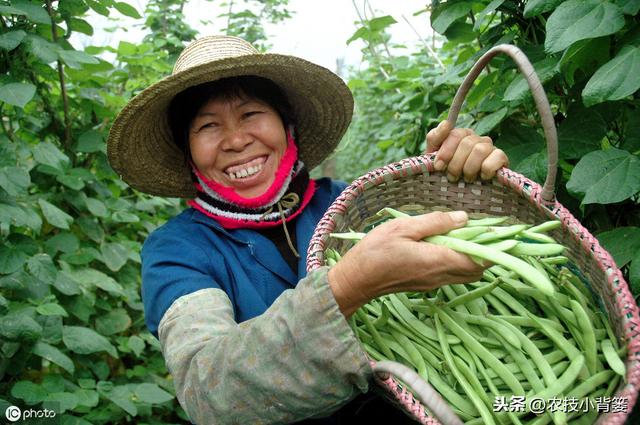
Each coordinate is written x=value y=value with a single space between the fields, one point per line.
x=530 y=327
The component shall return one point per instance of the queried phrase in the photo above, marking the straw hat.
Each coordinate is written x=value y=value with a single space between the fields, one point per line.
x=140 y=145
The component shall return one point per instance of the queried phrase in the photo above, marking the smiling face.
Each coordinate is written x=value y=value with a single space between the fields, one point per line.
x=238 y=143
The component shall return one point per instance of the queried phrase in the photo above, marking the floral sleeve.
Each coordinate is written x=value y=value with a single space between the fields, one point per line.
x=297 y=360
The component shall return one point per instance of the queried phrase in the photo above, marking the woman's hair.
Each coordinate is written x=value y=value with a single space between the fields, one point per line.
x=185 y=105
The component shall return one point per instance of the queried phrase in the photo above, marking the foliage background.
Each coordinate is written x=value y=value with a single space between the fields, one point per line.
x=72 y=333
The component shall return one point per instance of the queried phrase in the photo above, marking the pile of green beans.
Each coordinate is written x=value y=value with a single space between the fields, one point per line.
x=530 y=327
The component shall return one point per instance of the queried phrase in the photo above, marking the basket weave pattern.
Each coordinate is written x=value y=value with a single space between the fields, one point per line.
x=415 y=181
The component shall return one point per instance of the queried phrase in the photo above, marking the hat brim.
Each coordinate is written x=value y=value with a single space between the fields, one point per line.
x=141 y=148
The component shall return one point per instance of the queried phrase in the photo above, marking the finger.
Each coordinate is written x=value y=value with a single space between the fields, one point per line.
x=421 y=226
x=473 y=165
x=437 y=135
x=496 y=160
x=462 y=153
x=449 y=147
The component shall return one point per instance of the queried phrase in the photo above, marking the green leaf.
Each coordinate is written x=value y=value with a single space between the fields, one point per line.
x=127 y=49
x=17 y=94
x=97 y=207
x=83 y=340
x=66 y=285
x=629 y=7
x=91 y=141
x=9 y=10
x=623 y=243
x=115 y=321
x=14 y=180
x=91 y=228
x=123 y=398
x=127 y=9
x=48 y=154
x=125 y=217
x=95 y=278
x=20 y=326
x=491 y=7
x=576 y=20
x=54 y=215
x=617 y=79
x=71 y=180
x=97 y=7
x=87 y=397
x=519 y=142
x=61 y=402
x=29 y=392
x=52 y=309
x=488 y=122
x=586 y=55
x=54 y=355
x=581 y=132
x=12 y=39
x=114 y=255
x=537 y=7
x=136 y=344
x=382 y=22
x=42 y=267
x=34 y=12
x=519 y=88
x=534 y=167
x=605 y=177
x=81 y=26
x=63 y=242
x=152 y=394
x=75 y=58
x=11 y=259
x=447 y=13
x=44 y=50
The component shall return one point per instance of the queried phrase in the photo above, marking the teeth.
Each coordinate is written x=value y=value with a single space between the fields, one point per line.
x=246 y=172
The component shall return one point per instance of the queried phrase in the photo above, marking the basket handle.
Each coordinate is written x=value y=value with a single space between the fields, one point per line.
x=428 y=396
x=539 y=96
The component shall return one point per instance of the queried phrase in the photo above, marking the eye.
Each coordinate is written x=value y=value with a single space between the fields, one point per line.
x=207 y=125
x=250 y=113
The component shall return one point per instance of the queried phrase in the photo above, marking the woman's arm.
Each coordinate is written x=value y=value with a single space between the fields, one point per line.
x=297 y=360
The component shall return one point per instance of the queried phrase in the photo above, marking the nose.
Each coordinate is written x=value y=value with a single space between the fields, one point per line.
x=236 y=139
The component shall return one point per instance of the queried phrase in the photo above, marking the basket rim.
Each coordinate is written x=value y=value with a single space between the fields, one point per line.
x=626 y=308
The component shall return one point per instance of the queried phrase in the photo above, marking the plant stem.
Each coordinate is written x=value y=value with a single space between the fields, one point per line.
x=63 y=88
x=431 y=51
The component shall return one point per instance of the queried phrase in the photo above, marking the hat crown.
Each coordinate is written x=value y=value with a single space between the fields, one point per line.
x=211 y=49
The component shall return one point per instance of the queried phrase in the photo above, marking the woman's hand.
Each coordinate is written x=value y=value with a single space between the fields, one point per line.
x=393 y=258
x=462 y=153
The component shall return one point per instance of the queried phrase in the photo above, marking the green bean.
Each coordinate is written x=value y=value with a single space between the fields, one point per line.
x=487 y=221
x=404 y=315
x=590 y=348
x=474 y=294
x=526 y=271
x=535 y=236
x=612 y=358
x=523 y=365
x=499 y=233
x=589 y=385
x=505 y=245
x=534 y=353
x=537 y=249
x=565 y=380
x=527 y=322
x=452 y=295
x=352 y=236
x=384 y=316
x=491 y=361
x=485 y=322
x=546 y=226
x=467 y=232
x=374 y=333
x=477 y=402
x=497 y=304
x=414 y=355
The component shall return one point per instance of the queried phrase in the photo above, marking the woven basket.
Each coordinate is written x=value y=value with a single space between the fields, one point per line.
x=415 y=181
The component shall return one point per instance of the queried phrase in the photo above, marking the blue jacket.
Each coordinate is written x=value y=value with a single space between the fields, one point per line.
x=192 y=252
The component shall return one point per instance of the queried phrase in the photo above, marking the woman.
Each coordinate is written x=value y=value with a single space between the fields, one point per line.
x=248 y=337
